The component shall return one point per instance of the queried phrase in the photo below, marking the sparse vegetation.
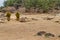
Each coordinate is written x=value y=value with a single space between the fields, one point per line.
x=17 y=16
x=36 y=20
x=8 y=15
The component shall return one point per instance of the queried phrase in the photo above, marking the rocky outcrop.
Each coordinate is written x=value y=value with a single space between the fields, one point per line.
x=48 y=18
x=11 y=9
x=2 y=18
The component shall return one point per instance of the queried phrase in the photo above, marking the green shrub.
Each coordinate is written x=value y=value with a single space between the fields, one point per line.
x=8 y=15
x=17 y=16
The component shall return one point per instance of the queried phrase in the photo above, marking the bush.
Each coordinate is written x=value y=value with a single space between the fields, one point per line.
x=17 y=16
x=8 y=15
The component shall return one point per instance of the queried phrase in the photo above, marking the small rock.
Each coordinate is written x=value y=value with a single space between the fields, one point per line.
x=57 y=21
x=24 y=19
x=48 y=18
x=59 y=36
x=34 y=19
x=41 y=33
x=1 y=21
x=49 y=35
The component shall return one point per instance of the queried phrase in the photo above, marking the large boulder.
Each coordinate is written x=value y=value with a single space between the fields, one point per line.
x=2 y=15
x=24 y=19
x=2 y=20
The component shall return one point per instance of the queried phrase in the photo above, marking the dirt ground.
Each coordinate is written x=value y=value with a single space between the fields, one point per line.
x=14 y=30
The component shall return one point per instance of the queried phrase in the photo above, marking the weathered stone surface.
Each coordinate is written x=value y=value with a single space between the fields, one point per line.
x=49 y=35
x=11 y=9
x=2 y=20
x=48 y=18
x=24 y=19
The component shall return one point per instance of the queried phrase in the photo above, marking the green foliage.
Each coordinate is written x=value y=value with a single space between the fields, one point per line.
x=41 y=4
x=9 y=3
x=58 y=3
x=17 y=16
x=12 y=2
x=1 y=8
x=8 y=15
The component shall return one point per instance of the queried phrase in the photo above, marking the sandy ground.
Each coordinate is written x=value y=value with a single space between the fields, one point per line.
x=14 y=30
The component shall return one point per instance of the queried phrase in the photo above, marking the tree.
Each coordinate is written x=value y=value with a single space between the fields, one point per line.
x=41 y=4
